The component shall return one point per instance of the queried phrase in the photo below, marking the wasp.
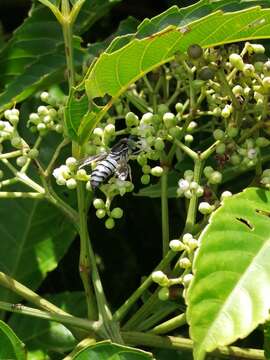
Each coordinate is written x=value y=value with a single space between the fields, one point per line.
x=112 y=163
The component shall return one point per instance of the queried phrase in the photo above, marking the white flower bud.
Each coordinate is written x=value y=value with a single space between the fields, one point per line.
x=176 y=245
x=205 y=208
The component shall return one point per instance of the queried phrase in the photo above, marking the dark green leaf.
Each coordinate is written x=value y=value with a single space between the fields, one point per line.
x=229 y=296
x=47 y=336
x=11 y=346
x=108 y=351
x=34 y=237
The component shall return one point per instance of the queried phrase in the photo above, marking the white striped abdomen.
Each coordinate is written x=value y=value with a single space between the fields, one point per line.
x=103 y=170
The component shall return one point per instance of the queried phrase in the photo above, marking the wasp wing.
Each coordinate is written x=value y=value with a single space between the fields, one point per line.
x=90 y=159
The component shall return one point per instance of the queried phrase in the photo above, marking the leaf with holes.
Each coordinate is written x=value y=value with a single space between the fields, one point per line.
x=11 y=346
x=230 y=294
x=34 y=237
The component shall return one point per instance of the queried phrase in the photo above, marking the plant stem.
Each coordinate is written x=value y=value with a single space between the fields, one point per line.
x=64 y=319
x=20 y=195
x=121 y=312
x=60 y=146
x=11 y=154
x=165 y=212
x=170 y=325
x=180 y=343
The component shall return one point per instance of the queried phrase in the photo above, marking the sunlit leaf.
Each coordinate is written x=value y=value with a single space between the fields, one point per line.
x=11 y=346
x=229 y=296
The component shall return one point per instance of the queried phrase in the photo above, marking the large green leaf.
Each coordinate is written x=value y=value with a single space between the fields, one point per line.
x=11 y=346
x=108 y=351
x=34 y=237
x=229 y=296
x=34 y=58
x=39 y=334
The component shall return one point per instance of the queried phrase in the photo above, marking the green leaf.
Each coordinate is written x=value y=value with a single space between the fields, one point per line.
x=229 y=296
x=11 y=346
x=108 y=351
x=34 y=58
x=39 y=334
x=119 y=67
x=34 y=237
x=267 y=340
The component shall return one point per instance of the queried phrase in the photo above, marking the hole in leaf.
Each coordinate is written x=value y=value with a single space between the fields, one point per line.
x=245 y=222
x=101 y=101
x=263 y=212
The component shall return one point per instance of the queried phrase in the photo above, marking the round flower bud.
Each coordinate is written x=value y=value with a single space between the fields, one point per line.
x=195 y=51
x=236 y=61
x=192 y=125
x=98 y=132
x=117 y=213
x=42 y=110
x=232 y=132
x=60 y=181
x=205 y=208
x=199 y=191
x=44 y=96
x=88 y=186
x=266 y=82
x=183 y=184
x=206 y=73
x=220 y=149
x=131 y=119
x=33 y=153
x=13 y=119
x=193 y=185
x=175 y=131
x=146 y=169
x=262 y=141
x=34 y=118
x=7 y=114
x=184 y=263
x=142 y=159
x=109 y=223
x=100 y=213
x=218 y=134
x=41 y=127
x=188 y=194
x=160 y=278
x=71 y=162
x=147 y=118
x=216 y=111
x=109 y=129
x=266 y=172
x=252 y=153
x=176 y=245
x=215 y=177
x=235 y=159
x=159 y=144
x=226 y=111
x=82 y=175
x=193 y=244
x=208 y=170
x=47 y=119
x=188 y=175
x=169 y=120
x=164 y=294
x=99 y=203
x=59 y=128
x=189 y=138
x=237 y=90
x=256 y=48
x=225 y=195
x=179 y=107
x=157 y=171
x=187 y=237
x=187 y=279
x=16 y=142
x=21 y=161
x=71 y=183
x=249 y=70
x=145 y=179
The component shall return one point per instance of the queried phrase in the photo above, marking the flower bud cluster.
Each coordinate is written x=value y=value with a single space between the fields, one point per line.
x=187 y=186
x=46 y=119
x=265 y=178
x=8 y=129
x=68 y=175
x=103 y=210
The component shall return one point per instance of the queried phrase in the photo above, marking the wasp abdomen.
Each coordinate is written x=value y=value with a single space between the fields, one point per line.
x=103 y=170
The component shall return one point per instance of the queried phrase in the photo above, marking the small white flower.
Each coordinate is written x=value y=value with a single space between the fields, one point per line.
x=183 y=184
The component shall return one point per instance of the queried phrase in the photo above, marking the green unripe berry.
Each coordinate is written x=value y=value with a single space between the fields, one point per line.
x=164 y=294
x=184 y=263
x=235 y=159
x=188 y=175
x=208 y=170
x=21 y=161
x=16 y=142
x=159 y=144
x=176 y=245
x=175 y=131
x=117 y=213
x=142 y=159
x=131 y=119
x=71 y=183
x=33 y=153
x=145 y=179
x=206 y=73
x=179 y=107
x=205 y=208
x=220 y=149
x=232 y=132
x=146 y=169
x=109 y=223
x=99 y=204
x=169 y=120
x=195 y=51
x=160 y=278
x=215 y=177
x=157 y=171
x=218 y=134
x=100 y=213
x=236 y=61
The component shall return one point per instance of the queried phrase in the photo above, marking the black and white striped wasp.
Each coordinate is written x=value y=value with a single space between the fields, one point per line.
x=112 y=163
